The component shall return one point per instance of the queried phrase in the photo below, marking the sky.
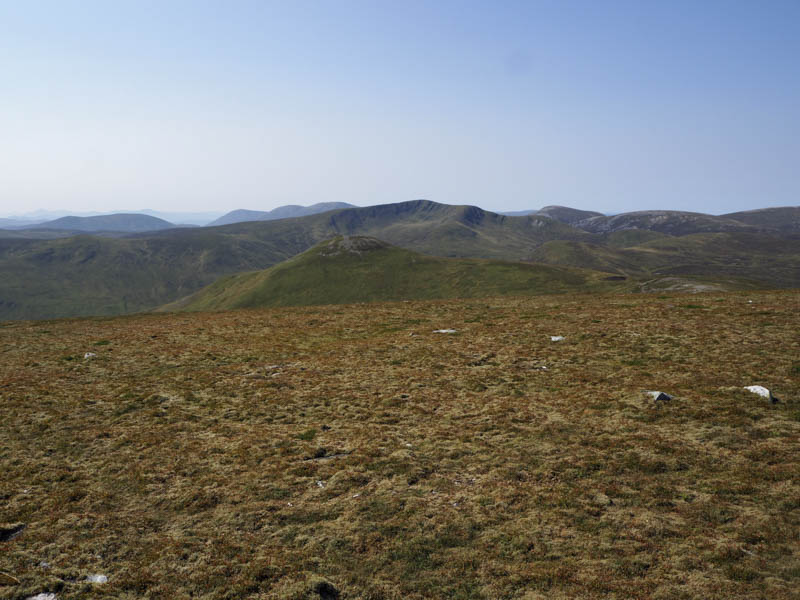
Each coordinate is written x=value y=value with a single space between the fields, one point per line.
x=211 y=106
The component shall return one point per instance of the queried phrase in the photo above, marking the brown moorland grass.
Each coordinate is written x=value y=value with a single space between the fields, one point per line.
x=351 y=451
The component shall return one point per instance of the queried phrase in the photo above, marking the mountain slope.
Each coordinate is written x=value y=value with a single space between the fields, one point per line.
x=565 y=214
x=92 y=275
x=360 y=269
x=282 y=212
x=785 y=218
x=744 y=260
x=131 y=223
x=671 y=222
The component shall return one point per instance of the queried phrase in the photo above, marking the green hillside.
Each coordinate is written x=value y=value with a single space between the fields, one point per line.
x=742 y=260
x=362 y=269
x=784 y=218
x=89 y=275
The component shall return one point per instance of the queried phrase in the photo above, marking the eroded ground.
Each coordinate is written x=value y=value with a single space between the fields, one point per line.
x=301 y=453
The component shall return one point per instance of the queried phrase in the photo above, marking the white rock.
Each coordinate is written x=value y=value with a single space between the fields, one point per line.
x=556 y=338
x=43 y=596
x=96 y=578
x=320 y=484
x=659 y=396
x=89 y=355
x=444 y=331
x=760 y=390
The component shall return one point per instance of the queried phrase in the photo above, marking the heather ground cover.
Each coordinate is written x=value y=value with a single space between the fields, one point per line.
x=351 y=451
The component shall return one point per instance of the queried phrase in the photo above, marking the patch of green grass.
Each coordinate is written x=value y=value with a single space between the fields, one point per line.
x=307 y=435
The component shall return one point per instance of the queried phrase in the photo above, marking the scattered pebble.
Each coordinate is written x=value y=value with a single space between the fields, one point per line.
x=556 y=338
x=659 y=396
x=760 y=390
x=444 y=331
x=97 y=578
x=89 y=355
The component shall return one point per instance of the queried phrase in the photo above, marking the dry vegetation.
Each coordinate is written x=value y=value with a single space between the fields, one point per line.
x=350 y=451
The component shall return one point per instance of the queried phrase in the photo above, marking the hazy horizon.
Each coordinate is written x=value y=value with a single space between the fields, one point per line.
x=198 y=216
x=208 y=107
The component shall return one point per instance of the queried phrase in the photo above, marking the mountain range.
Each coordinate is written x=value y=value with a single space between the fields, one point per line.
x=94 y=275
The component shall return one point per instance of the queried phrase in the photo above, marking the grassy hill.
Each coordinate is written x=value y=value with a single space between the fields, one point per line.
x=363 y=269
x=305 y=452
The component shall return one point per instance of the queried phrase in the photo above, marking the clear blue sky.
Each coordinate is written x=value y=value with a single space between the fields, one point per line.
x=197 y=105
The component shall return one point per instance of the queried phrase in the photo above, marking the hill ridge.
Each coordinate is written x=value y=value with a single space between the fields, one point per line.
x=347 y=269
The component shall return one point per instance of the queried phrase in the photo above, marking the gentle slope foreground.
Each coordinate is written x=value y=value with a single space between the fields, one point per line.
x=352 y=451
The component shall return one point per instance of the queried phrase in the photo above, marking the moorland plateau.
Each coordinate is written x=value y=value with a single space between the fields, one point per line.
x=352 y=452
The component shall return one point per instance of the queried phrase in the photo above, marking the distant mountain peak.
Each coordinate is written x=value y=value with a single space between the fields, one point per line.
x=282 y=212
x=122 y=222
